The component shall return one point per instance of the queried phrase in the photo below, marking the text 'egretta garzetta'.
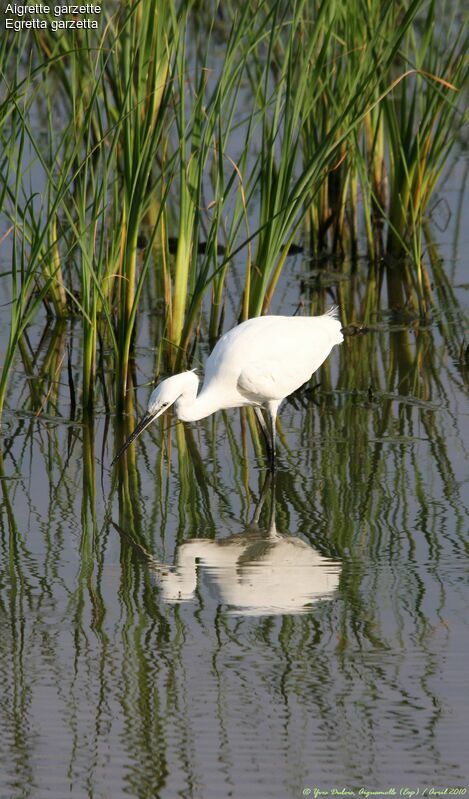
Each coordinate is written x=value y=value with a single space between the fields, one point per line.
x=258 y=363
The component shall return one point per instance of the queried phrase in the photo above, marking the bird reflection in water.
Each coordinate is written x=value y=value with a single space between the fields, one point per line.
x=255 y=572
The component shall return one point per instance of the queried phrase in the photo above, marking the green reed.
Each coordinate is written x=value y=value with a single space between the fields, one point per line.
x=216 y=136
x=422 y=120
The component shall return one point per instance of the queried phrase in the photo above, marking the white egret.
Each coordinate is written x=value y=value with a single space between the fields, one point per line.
x=257 y=363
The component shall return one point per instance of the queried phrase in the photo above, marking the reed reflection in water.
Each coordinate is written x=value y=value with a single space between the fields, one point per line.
x=110 y=685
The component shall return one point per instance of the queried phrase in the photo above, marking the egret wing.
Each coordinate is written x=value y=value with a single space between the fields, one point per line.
x=269 y=357
x=270 y=380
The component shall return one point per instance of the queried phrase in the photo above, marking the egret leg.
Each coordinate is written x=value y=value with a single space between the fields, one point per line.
x=273 y=417
x=273 y=408
x=265 y=432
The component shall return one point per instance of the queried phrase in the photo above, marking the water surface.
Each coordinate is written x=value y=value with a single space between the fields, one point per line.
x=163 y=635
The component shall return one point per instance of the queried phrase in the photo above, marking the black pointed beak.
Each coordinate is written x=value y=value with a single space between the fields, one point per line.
x=142 y=425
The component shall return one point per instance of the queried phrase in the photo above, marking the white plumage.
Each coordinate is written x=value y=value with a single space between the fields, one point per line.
x=258 y=363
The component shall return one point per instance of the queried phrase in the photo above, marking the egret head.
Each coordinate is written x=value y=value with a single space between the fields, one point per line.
x=164 y=395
